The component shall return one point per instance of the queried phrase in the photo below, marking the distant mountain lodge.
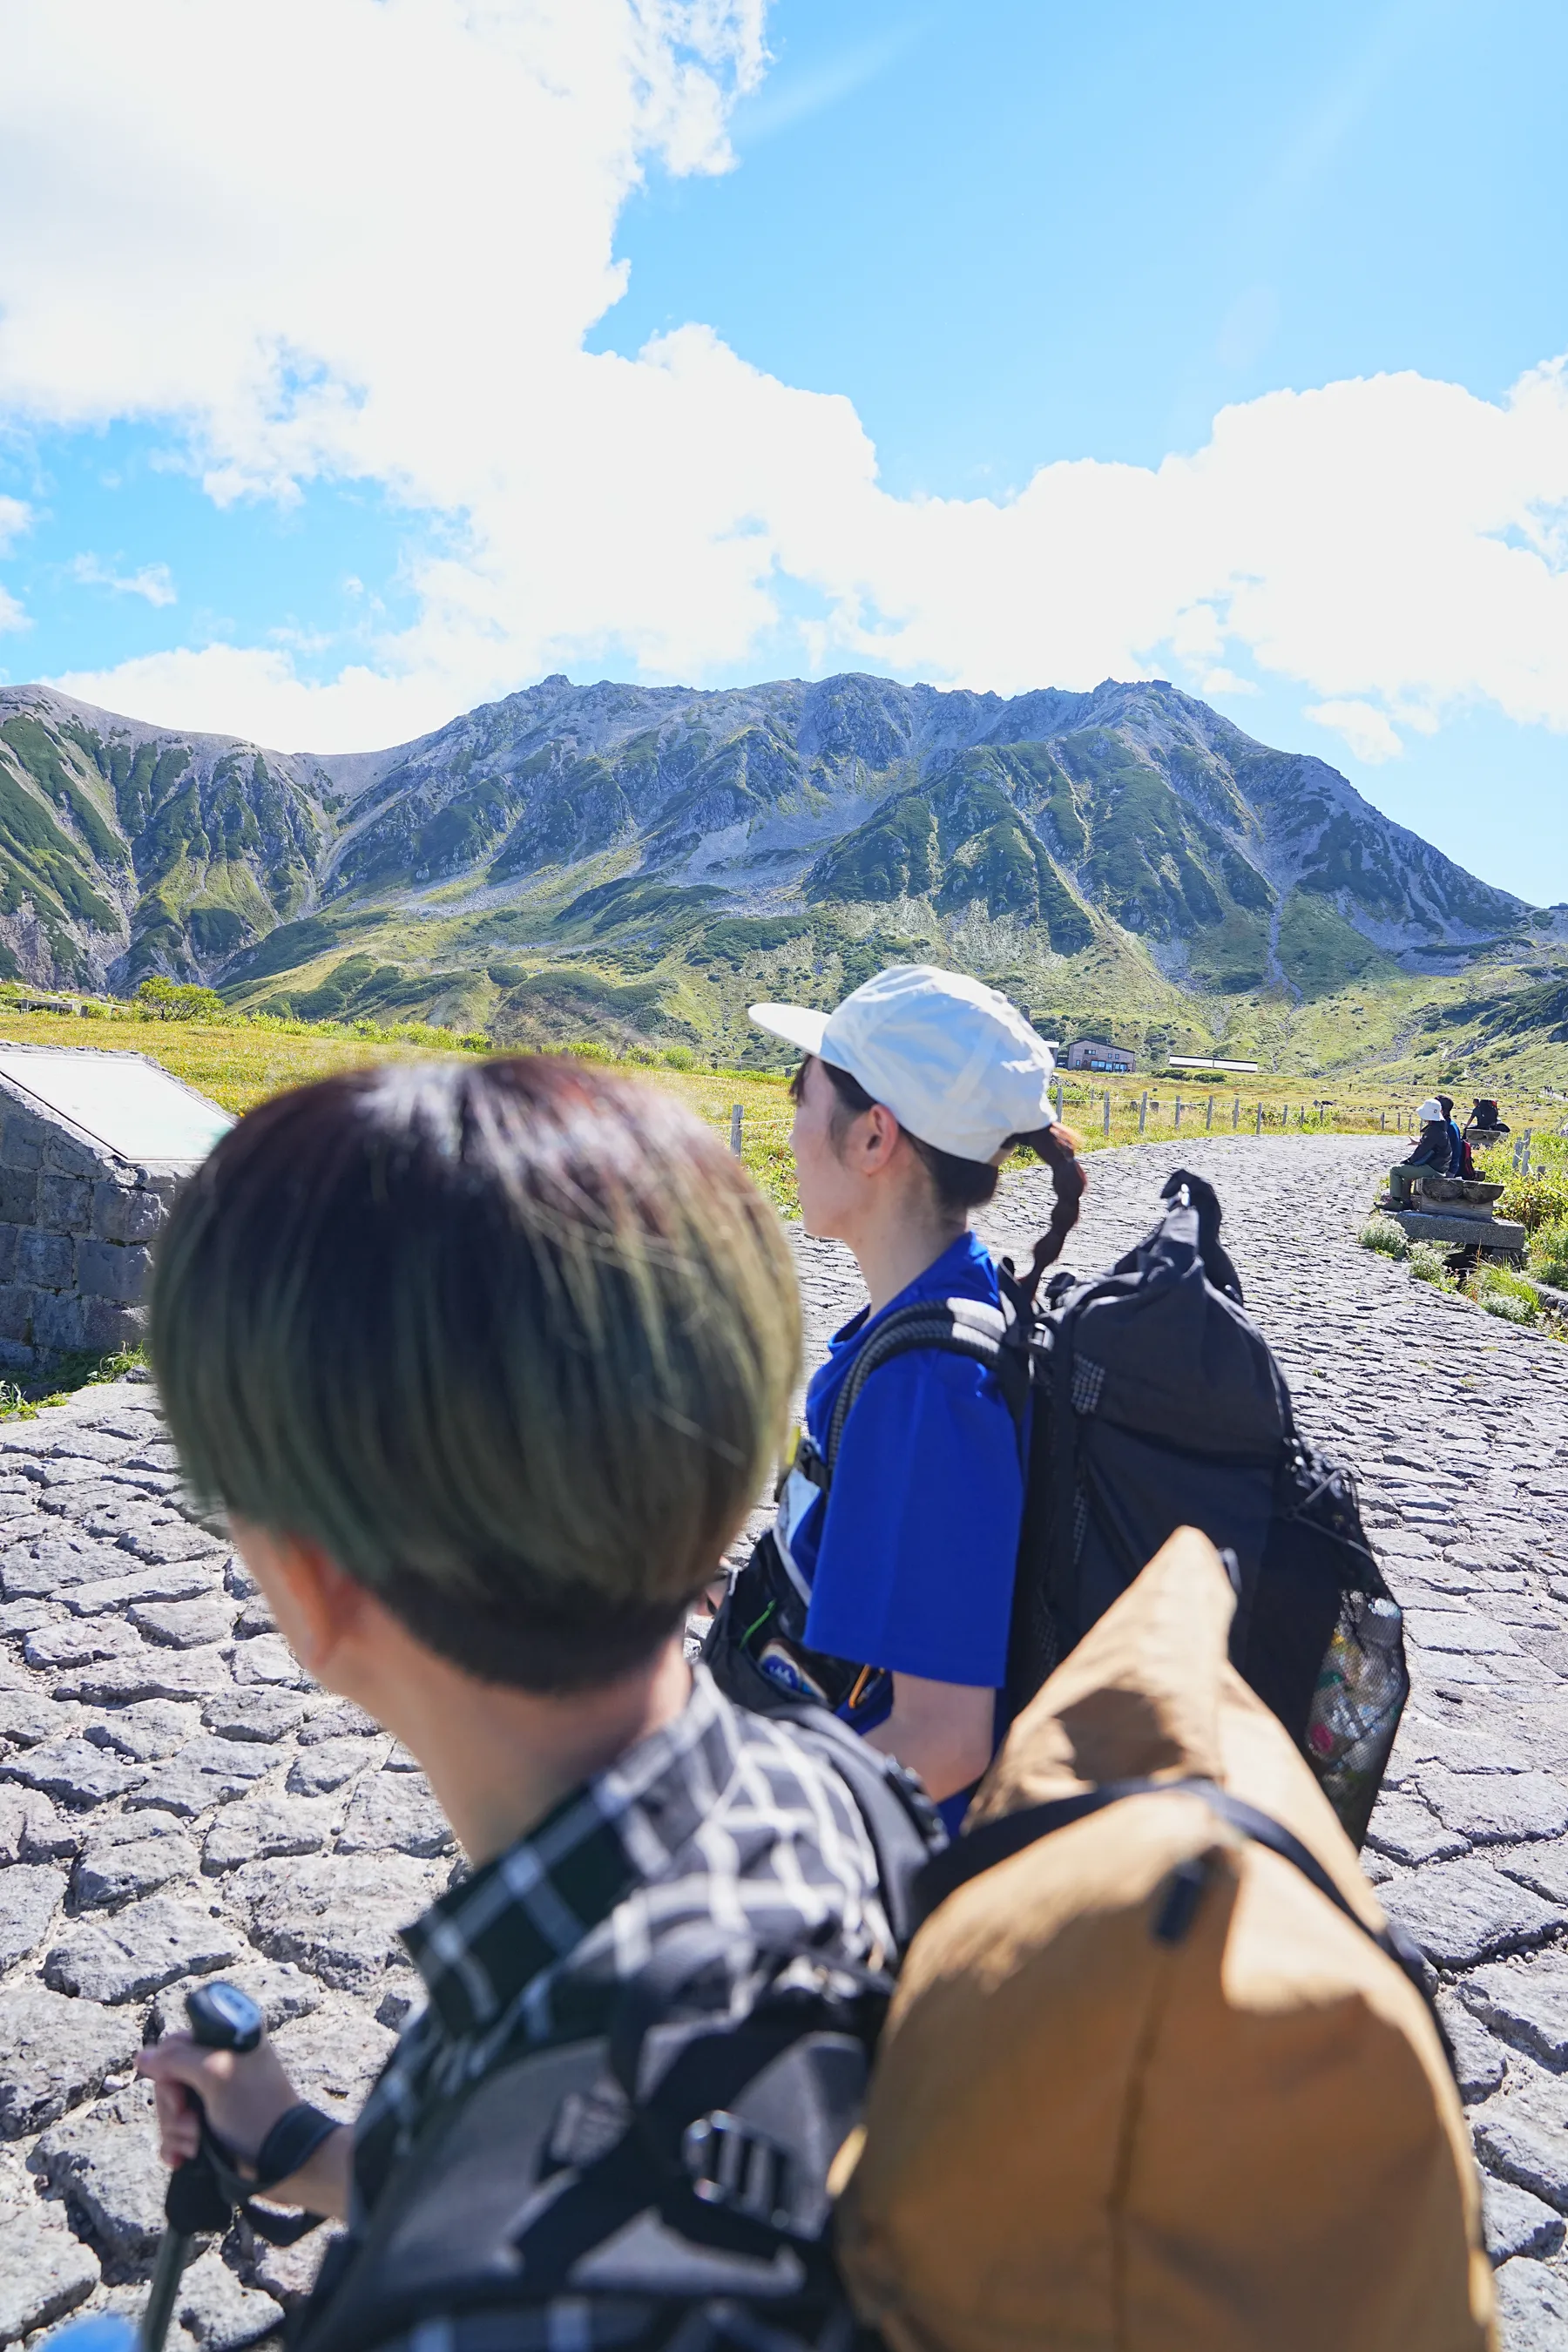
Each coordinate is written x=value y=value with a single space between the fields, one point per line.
x=1090 y=1054
x=1117 y=1061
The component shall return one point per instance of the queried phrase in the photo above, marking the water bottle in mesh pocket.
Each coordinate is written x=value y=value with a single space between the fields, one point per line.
x=1363 y=1686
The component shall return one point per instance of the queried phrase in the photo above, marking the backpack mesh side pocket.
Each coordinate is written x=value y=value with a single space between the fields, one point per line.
x=1363 y=1686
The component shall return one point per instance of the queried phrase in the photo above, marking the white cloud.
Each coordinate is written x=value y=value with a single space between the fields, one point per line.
x=1368 y=731
x=256 y=692
x=14 y=519
x=153 y=582
x=363 y=239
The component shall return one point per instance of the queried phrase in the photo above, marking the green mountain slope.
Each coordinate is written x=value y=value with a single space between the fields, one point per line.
x=639 y=862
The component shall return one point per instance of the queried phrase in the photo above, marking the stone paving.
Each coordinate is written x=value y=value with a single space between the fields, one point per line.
x=175 y=1799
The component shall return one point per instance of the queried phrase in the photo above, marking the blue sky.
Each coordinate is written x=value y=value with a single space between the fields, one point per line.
x=1003 y=236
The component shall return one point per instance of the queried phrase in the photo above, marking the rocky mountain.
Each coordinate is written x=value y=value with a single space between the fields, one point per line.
x=639 y=859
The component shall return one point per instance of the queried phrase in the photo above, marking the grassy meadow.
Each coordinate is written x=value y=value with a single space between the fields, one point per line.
x=238 y=1060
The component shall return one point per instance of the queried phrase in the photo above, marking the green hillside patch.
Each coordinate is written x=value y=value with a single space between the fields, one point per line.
x=141 y=778
x=215 y=930
x=291 y=945
x=1538 y=1012
x=330 y=997
x=577 y=808
x=641 y=900
x=1232 y=956
x=39 y=755
x=42 y=851
x=999 y=867
x=562 y=1001
x=730 y=938
x=465 y=828
x=1146 y=862
x=1071 y=932
x=1245 y=884
x=1319 y=950
x=893 y=857
x=1045 y=792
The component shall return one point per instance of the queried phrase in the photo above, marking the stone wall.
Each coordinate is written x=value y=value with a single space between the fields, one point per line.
x=75 y=1223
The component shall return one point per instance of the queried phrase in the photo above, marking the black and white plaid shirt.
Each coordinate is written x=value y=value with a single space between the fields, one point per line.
x=721 y=1817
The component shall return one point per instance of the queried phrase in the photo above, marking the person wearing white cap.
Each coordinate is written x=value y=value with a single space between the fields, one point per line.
x=1435 y=1147
x=909 y=1098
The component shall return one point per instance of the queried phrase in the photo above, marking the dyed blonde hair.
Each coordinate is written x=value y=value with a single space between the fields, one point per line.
x=513 y=1341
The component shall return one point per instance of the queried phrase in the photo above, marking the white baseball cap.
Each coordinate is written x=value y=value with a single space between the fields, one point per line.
x=955 y=1063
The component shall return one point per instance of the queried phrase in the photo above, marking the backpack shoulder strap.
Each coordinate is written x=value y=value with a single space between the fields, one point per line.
x=950 y=1327
x=903 y=1825
x=682 y=2155
x=982 y=1848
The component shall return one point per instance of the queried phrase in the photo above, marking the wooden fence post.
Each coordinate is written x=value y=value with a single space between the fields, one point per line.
x=1108 y=1110
x=1208 y=1116
x=735 y=1117
x=1143 y=1112
x=1178 y=1114
x=1259 y=1126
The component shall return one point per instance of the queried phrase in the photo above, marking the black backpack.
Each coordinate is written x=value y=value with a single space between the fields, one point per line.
x=1154 y=1403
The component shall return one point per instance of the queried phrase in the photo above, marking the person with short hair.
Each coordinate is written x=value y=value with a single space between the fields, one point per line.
x=484 y=1362
x=909 y=1097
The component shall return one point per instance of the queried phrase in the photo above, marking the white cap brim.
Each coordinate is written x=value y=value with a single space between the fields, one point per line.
x=797 y=1024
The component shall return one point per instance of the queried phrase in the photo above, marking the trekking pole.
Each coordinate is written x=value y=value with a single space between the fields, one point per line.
x=222 y=2018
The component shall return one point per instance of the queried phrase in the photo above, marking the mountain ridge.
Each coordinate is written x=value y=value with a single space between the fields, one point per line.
x=635 y=854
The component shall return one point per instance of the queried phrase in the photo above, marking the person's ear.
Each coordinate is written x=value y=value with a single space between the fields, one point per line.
x=316 y=1603
x=882 y=1134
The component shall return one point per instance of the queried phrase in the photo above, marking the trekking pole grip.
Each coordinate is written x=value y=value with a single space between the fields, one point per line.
x=221 y=2018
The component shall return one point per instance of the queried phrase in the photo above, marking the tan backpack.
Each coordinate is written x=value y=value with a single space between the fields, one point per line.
x=1144 y=2087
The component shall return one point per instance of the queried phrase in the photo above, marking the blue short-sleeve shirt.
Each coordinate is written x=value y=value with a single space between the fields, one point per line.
x=910 y=1557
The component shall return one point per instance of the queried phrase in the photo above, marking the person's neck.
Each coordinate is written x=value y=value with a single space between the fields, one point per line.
x=891 y=1249
x=499 y=1760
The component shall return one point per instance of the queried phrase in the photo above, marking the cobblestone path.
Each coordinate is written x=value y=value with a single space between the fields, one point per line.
x=175 y=1799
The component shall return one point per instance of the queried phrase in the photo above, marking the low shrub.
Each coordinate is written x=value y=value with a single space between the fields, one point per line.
x=1501 y=1292
x=1430 y=1263
x=1382 y=1234
x=173 y=1000
x=1539 y=1199
x=1549 y=1254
